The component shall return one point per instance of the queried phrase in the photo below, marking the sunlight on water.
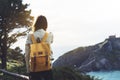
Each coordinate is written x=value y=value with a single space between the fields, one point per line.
x=111 y=75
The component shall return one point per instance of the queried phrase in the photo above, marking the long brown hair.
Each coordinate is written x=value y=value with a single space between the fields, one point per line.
x=41 y=23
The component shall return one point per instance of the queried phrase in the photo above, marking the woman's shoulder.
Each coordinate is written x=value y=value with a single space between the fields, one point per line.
x=50 y=37
x=29 y=34
x=50 y=34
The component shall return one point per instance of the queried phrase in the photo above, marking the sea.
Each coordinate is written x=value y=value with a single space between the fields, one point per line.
x=106 y=75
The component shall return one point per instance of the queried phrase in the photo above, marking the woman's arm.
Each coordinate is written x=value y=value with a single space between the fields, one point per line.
x=27 y=56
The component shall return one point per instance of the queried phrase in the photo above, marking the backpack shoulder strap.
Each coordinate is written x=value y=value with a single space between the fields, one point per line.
x=33 y=39
x=45 y=37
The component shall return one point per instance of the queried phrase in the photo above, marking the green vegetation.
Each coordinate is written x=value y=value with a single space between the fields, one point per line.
x=16 y=64
x=15 y=67
x=65 y=73
x=13 y=15
x=61 y=73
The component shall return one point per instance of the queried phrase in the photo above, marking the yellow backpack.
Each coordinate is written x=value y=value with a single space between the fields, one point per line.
x=40 y=55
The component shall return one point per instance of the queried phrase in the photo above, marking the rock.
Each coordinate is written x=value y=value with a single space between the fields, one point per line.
x=102 y=56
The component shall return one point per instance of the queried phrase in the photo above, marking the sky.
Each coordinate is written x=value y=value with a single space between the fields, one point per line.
x=77 y=23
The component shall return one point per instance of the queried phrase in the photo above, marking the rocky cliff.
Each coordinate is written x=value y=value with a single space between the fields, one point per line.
x=102 y=56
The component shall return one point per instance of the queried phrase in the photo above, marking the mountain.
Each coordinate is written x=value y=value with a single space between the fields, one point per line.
x=102 y=56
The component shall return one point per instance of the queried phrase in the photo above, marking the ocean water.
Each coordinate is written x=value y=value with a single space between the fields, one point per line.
x=110 y=75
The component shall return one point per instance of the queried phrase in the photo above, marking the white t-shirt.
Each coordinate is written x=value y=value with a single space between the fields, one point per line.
x=37 y=34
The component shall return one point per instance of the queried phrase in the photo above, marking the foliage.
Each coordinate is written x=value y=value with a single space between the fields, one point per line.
x=15 y=54
x=59 y=73
x=13 y=14
x=65 y=73
x=15 y=67
x=15 y=63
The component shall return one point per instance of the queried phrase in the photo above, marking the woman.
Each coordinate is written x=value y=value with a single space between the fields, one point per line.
x=39 y=28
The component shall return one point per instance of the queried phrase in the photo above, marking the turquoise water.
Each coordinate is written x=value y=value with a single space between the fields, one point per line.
x=111 y=75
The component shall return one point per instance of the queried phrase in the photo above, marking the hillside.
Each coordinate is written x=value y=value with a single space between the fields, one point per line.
x=101 y=56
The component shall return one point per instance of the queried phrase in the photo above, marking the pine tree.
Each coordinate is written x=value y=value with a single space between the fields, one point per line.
x=13 y=14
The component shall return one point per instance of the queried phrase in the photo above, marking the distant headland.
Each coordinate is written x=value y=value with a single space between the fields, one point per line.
x=102 y=56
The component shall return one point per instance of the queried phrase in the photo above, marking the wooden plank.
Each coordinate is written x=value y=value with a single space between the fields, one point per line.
x=15 y=74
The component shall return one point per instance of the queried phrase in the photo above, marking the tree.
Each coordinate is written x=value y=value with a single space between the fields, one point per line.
x=13 y=14
x=15 y=54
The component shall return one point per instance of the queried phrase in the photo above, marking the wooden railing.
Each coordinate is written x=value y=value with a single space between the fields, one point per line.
x=23 y=77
